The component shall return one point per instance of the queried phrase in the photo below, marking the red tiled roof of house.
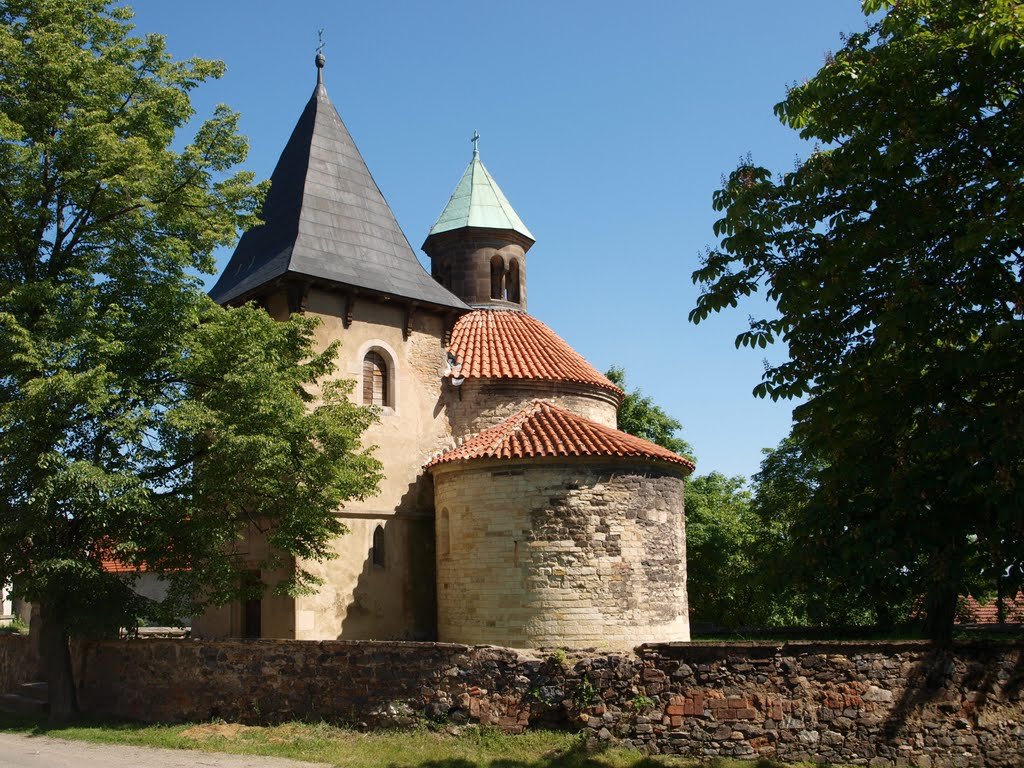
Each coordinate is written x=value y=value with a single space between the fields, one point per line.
x=112 y=565
x=545 y=430
x=507 y=344
x=971 y=611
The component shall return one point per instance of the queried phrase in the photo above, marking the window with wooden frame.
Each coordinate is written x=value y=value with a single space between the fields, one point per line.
x=375 y=380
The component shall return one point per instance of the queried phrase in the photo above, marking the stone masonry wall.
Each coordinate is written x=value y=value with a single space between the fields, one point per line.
x=538 y=554
x=19 y=662
x=480 y=404
x=877 y=704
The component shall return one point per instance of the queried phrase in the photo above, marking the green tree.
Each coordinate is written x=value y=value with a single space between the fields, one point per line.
x=138 y=419
x=819 y=571
x=638 y=415
x=720 y=537
x=892 y=258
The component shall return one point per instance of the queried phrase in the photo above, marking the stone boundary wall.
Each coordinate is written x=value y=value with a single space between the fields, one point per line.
x=19 y=662
x=877 y=704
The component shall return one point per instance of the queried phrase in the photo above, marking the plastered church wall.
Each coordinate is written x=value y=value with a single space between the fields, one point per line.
x=359 y=598
x=395 y=600
x=537 y=554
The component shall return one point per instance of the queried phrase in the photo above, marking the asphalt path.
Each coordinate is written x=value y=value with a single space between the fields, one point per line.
x=21 y=751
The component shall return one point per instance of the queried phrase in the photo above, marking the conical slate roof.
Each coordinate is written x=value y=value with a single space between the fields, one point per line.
x=325 y=218
x=543 y=430
x=478 y=202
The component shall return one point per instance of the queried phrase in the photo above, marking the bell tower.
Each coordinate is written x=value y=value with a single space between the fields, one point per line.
x=478 y=246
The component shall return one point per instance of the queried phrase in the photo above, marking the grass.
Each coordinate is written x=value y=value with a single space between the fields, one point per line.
x=470 y=747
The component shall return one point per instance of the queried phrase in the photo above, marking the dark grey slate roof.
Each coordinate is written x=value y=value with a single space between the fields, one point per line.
x=326 y=219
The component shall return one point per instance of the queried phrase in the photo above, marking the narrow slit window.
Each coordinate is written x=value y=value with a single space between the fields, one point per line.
x=378 y=546
x=375 y=380
x=444 y=535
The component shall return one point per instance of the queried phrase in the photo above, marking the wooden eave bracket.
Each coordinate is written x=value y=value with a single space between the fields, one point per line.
x=410 y=312
x=449 y=325
x=298 y=297
x=350 y=303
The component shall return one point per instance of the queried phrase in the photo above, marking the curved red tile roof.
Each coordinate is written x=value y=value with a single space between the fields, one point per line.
x=545 y=430
x=507 y=344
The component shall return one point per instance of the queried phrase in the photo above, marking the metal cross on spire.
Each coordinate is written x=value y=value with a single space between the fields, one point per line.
x=475 y=139
x=320 y=60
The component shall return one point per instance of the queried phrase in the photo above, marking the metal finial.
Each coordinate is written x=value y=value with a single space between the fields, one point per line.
x=475 y=139
x=320 y=59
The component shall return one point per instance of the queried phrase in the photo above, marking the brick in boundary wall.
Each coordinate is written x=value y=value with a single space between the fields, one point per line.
x=876 y=704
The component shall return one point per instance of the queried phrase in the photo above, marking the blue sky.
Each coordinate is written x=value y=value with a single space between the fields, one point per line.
x=607 y=125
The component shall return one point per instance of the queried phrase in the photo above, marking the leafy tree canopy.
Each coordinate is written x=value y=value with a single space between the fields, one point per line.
x=720 y=534
x=138 y=420
x=892 y=261
x=639 y=415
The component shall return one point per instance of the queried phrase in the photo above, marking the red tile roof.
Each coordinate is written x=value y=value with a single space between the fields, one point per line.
x=545 y=430
x=970 y=611
x=507 y=344
x=112 y=565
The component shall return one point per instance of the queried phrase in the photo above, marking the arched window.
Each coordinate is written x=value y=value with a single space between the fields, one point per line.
x=378 y=546
x=497 y=275
x=375 y=380
x=443 y=535
x=512 y=282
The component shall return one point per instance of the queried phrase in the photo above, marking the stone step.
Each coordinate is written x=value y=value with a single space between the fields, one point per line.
x=38 y=691
x=13 y=704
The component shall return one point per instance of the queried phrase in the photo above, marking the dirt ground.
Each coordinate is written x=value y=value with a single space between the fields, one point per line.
x=20 y=751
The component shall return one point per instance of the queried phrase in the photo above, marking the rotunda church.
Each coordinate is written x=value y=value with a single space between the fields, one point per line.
x=513 y=511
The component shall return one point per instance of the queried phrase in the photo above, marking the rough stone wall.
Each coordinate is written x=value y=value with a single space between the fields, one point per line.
x=484 y=403
x=579 y=554
x=461 y=262
x=19 y=661
x=877 y=704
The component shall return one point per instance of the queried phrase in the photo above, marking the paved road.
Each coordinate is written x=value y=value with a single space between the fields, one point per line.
x=18 y=751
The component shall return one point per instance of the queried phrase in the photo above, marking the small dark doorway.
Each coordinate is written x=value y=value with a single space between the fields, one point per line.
x=252 y=610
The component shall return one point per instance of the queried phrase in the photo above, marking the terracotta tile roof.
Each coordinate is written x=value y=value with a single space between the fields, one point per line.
x=545 y=430
x=507 y=344
x=971 y=611
x=112 y=565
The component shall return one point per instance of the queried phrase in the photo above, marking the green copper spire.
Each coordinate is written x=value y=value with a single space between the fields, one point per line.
x=478 y=202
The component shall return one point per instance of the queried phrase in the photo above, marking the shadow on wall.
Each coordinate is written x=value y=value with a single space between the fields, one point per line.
x=937 y=679
x=395 y=597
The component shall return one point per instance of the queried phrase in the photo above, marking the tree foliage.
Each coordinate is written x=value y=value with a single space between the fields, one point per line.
x=138 y=420
x=892 y=261
x=639 y=415
x=720 y=539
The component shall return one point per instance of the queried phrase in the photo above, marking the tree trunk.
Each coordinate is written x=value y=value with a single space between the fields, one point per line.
x=56 y=657
x=941 y=613
x=1000 y=603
